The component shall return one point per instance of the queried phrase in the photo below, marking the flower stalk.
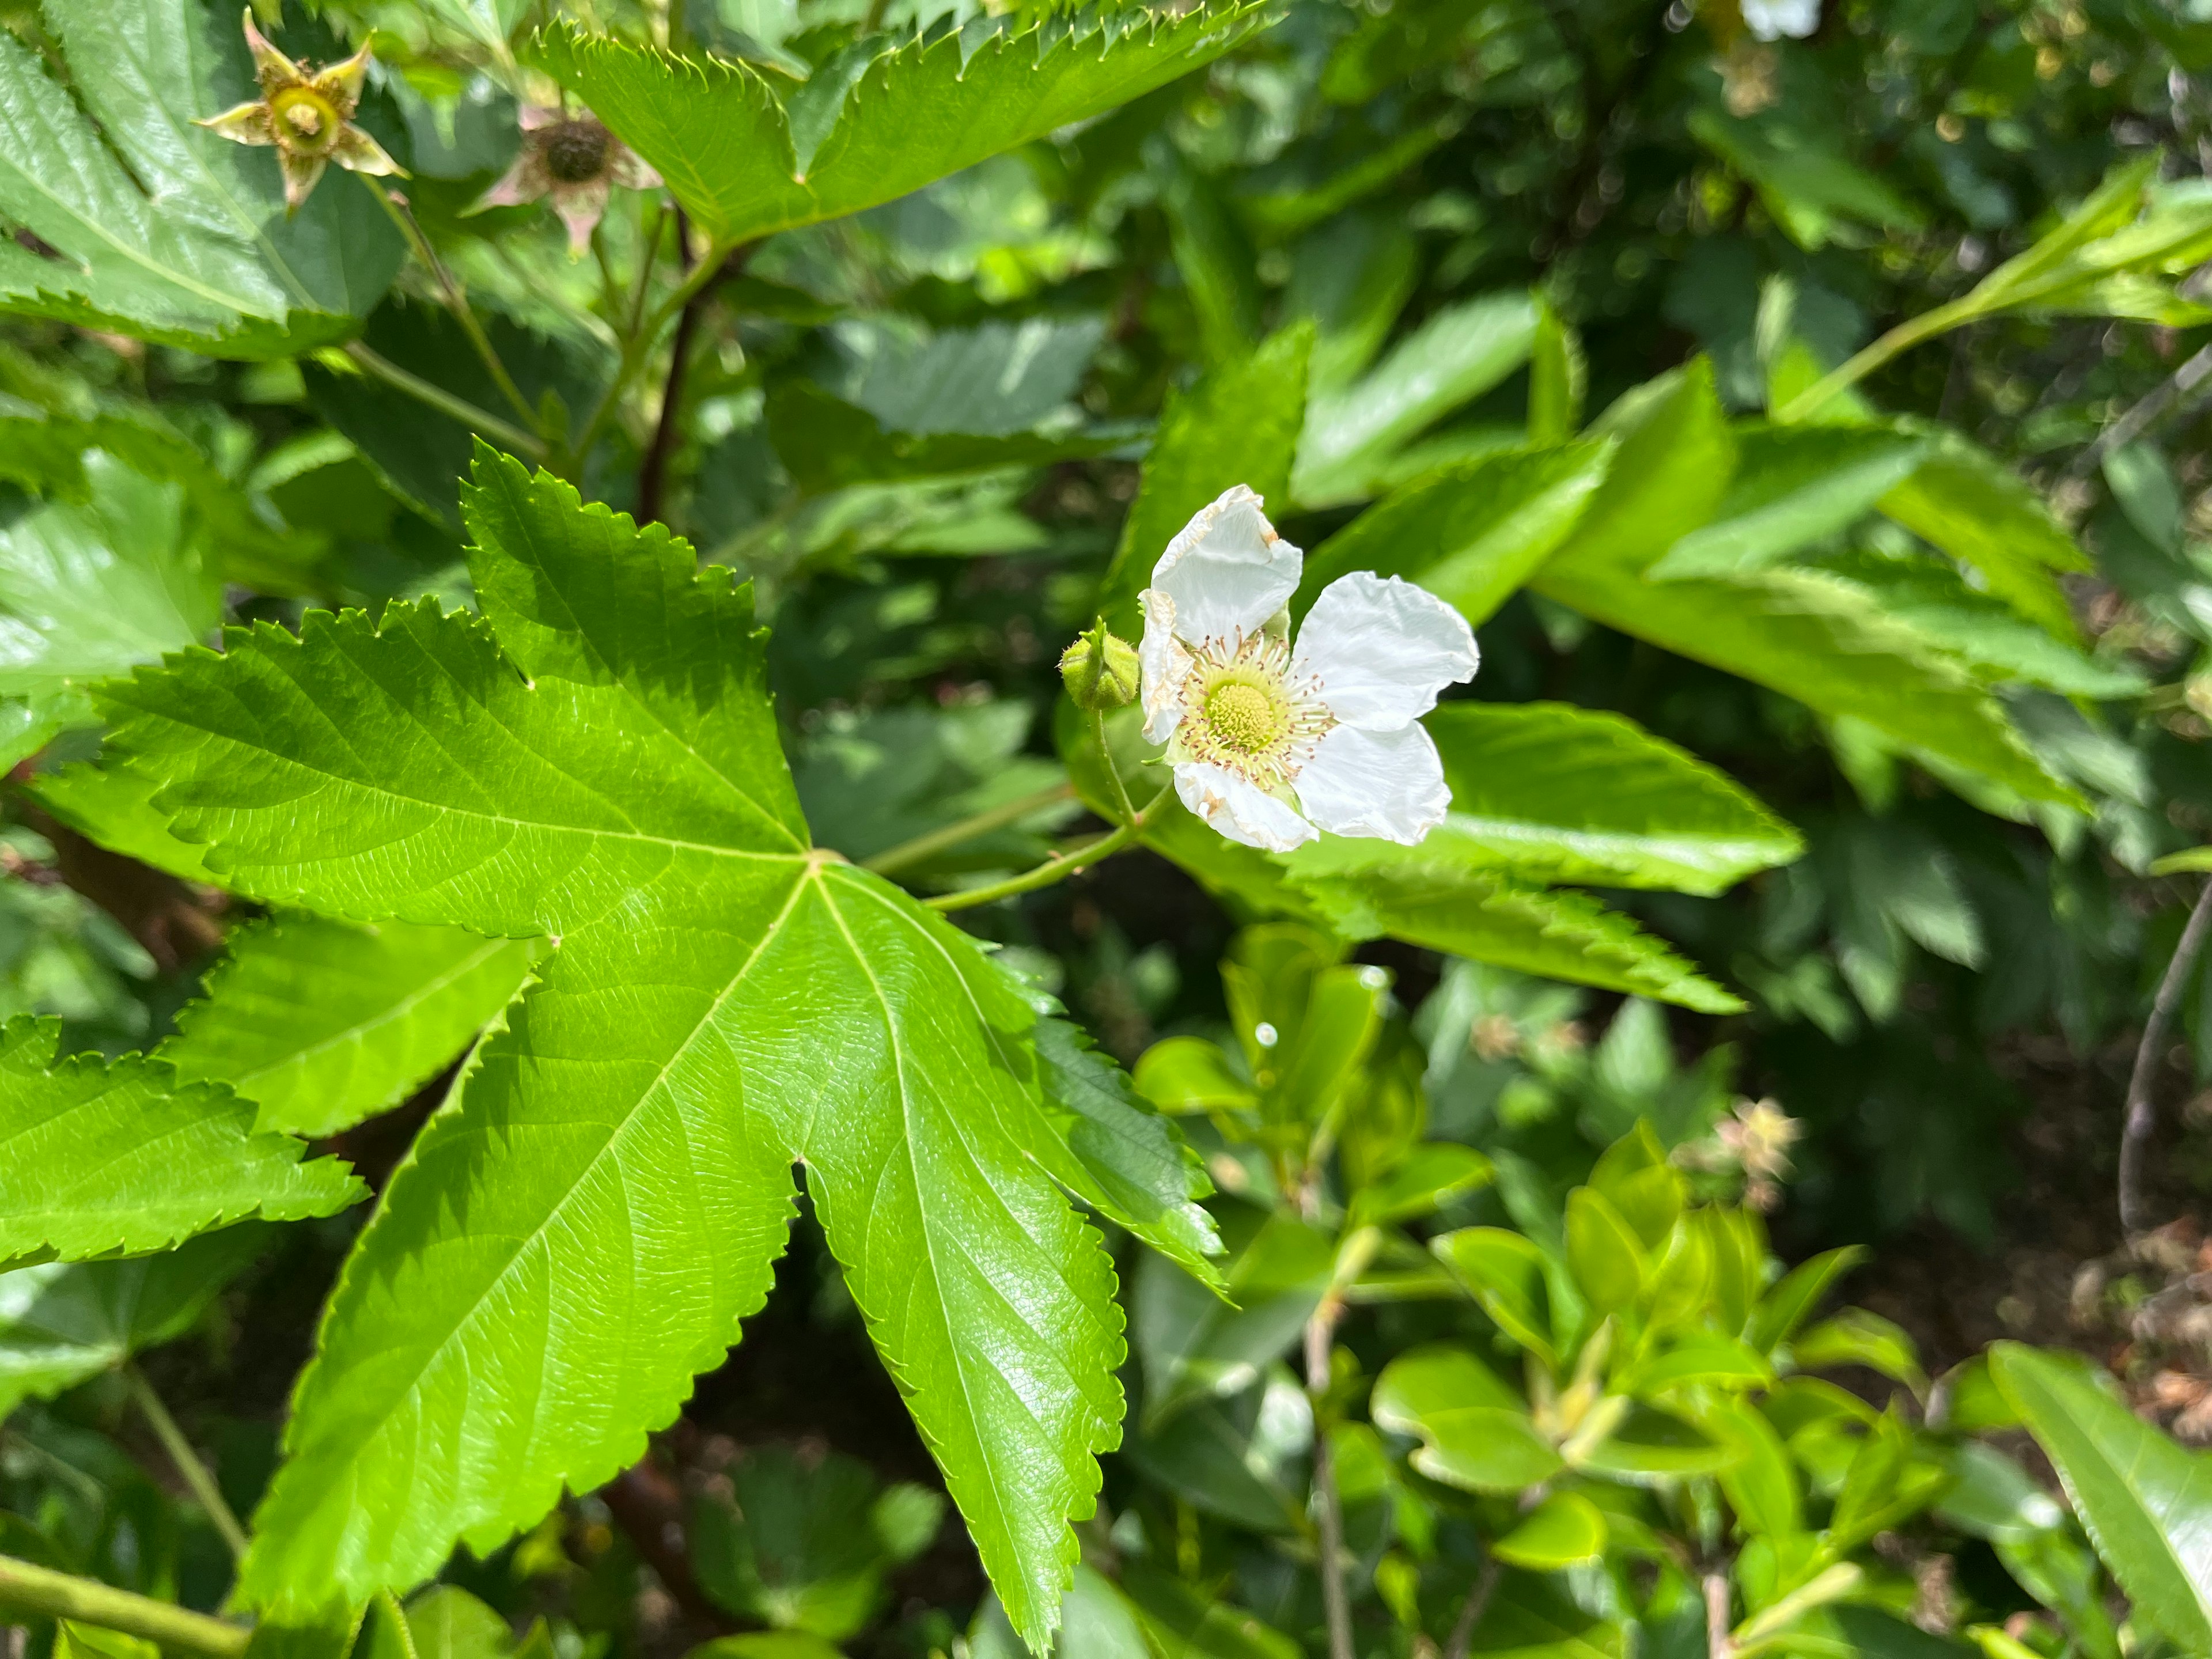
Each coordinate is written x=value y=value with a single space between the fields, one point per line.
x=42 y=1593
x=195 y=1473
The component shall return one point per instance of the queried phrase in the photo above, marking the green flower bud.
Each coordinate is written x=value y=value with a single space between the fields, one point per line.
x=1101 y=670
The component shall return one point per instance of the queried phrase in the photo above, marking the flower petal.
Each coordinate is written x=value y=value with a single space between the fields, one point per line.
x=1382 y=649
x=1227 y=570
x=1390 y=785
x=244 y=123
x=341 y=82
x=525 y=181
x=1166 y=666
x=357 y=152
x=1240 y=811
x=626 y=167
x=300 y=172
x=532 y=118
x=579 y=207
x=270 y=67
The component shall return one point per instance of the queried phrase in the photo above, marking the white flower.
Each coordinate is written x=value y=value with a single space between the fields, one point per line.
x=1769 y=20
x=1271 y=744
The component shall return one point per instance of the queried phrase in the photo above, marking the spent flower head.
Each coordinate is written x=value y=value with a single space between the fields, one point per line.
x=575 y=161
x=1274 y=742
x=307 y=115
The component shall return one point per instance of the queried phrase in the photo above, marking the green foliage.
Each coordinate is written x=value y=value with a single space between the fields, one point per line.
x=122 y=1159
x=159 y=228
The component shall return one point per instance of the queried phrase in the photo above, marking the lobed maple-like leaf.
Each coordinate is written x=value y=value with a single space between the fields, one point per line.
x=110 y=1158
x=582 y=1230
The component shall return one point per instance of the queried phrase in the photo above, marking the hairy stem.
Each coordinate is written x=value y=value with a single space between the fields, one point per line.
x=1899 y=340
x=511 y=437
x=909 y=853
x=43 y=1593
x=2142 y=1116
x=194 y=1472
x=1319 y=1330
x=456 y=301
x=1471 y=1611
x=1057 y=868
x=639 y=345
x=1106 y=755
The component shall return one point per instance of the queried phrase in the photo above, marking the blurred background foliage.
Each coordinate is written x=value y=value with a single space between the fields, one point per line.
x=917 y=428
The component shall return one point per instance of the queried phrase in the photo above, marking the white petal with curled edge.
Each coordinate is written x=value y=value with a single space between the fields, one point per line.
x=1165 y=665
x=1227 y=570
x=1240 y=811
x=1382 y=649
x=1389 y=785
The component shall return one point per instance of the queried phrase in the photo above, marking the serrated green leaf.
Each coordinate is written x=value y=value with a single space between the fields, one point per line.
x=2146 y=1502
x=120 y=1158
x=1238 y=425
x=165 y=230
x=745 y=165
x=1824 y=643
x=1351 y=431
x=322 y=1023
x=1472 y=534
x=1125 y=1161
x=597 y=761
x=1675 y=455
x=63 y=1323
x=1558 y=793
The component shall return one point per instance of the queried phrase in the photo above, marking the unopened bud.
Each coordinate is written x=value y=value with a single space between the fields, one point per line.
x=1100 y=671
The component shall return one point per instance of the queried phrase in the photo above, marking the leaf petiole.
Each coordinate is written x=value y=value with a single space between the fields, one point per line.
x=909 y=853
x=511 y=437
x=45 y=1594
x=1055 y=869
x=196 y=1473
x=1902 y=338
x=456 y=301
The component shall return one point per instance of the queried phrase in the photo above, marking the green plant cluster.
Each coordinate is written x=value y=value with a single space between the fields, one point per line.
x=614 y=1042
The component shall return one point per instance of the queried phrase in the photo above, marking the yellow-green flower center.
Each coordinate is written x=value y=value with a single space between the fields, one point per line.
x=307 y=122
x=1244 y=717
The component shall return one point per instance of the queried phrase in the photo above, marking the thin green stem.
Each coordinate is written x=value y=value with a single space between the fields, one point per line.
x=909 y=853
x=639 y=346
x=43 y=1593
x=461 y=409
x=456 y=301
x=1106 y=756
x=1900 y=339
x=187 y=1461
x=1057 y=868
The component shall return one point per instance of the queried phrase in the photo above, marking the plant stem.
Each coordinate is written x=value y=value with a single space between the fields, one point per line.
x=2142 y=1116
x=187 y=1461
x=45 y=1594
x=456 y=301
x=1057 y=868
x=461 y=409
x=1319 y=1330
x=639 y=345
x=1106 y=758
x=2143 y=416
x=907 y=854
x=1470 y=1613
x=1900 y=339
x=1720 y=1643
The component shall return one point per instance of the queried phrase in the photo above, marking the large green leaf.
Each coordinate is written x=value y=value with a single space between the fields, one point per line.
x=1475 y=1431
x=582 y=1231
x=1793 y=486
x=746 y=164
x=2147 y=1502
x=1823 y=642
x=63 y=1322
x=1352 y=431
x=322 y=1023
x=89 y=589
x=1553 y=793
x=1675 y=456
x=163 y=229
x=1473 y=533
x=100 y=1158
